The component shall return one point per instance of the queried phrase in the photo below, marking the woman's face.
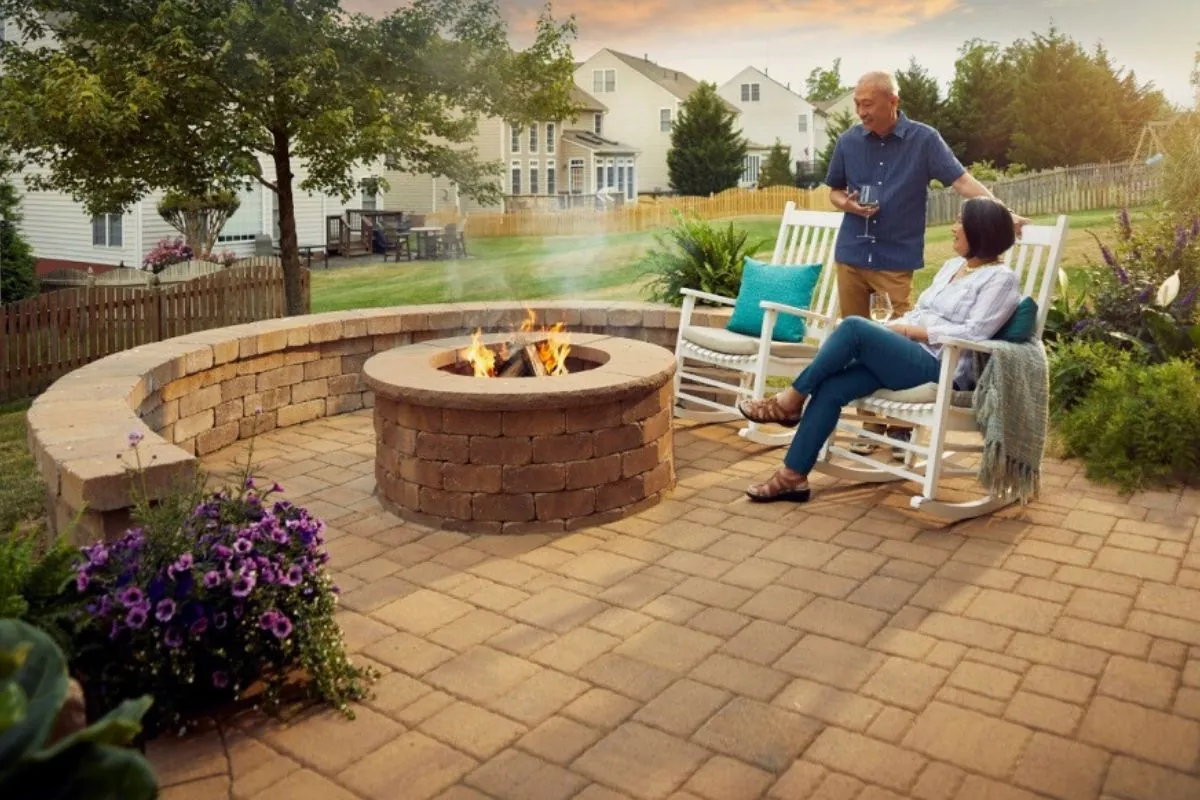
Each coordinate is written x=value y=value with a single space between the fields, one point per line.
x=960 y=238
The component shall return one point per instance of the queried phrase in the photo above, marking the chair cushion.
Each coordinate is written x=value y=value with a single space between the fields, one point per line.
x=925 y=393
x=725 y=341
x=1022 y=324
x=791 y=284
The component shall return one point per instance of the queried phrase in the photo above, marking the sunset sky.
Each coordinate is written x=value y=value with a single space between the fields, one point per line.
x=1156 y=38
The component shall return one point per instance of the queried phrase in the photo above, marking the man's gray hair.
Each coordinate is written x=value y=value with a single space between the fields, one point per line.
x=883 y=81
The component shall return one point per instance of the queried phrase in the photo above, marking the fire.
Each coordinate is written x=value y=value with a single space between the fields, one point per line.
x=551 y=352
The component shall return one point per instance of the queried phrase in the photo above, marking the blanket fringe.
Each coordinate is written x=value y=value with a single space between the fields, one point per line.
x=1000 y=474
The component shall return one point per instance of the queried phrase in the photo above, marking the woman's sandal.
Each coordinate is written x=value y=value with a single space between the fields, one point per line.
x=779 y=488
x=768 y=410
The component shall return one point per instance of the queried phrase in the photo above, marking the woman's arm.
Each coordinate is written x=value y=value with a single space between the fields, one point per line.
x=914 y=332
x=995 y=302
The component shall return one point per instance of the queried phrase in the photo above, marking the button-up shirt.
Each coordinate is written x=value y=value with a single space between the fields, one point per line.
x=974 y=307
x=899 y=166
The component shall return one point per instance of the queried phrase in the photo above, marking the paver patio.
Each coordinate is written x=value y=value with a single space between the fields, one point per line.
x=711 y=648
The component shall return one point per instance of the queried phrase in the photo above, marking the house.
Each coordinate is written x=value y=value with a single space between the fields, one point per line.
x=770 y=111
x=548 y=164
x=642 y=99
x=842 y=104
x=63 y=235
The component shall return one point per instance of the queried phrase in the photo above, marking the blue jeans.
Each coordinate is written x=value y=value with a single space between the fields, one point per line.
x=858 y=358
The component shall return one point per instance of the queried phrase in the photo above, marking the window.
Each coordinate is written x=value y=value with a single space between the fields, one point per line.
x=803 y=123
x=533 y=138
x=515 y=144
x=551 y=183
x=630 y=191
x=515 y=185
x=247 y=221
x=107 y=229
x=750 y=92
x=664 y=120
x=604 y=81
x=551 y=137
x=612 y=177
x=598 y=125
x=533 y=177
x=370 y=199
x=750 y=169
x=599 y=176
x=575 y=175
x=621 y=176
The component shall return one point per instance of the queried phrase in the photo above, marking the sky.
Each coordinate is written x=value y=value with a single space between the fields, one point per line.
x=1156 y=38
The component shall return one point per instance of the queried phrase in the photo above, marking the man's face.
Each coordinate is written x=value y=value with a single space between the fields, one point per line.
x=875 y=108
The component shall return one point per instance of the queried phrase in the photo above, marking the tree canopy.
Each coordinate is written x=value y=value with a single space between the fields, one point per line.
x=18 y=266
x=776 y=169
x=825 y=84
x=192 y=96
x=920 y=96
x=708 y=152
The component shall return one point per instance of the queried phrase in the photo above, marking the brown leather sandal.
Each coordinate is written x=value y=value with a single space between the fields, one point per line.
x=768 y=410
x=780 y=488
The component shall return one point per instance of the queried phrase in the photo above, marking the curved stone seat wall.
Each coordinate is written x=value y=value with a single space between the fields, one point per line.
x=196 y=394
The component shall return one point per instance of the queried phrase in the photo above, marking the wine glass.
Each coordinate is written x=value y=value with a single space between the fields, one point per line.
x=868 y=197
x=881 y=307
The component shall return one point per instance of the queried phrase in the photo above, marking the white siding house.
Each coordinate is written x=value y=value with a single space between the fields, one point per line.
x=642 y=99
x=770 y=110
x=830 y=109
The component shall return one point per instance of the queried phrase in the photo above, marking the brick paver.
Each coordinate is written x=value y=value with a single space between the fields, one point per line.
x=713 y=649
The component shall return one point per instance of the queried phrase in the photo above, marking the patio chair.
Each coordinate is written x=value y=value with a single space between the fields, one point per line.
x=452 y=243
x=717 y=367
x=935 y=409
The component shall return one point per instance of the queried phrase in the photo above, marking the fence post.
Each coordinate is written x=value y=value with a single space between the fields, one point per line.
x=155 y=326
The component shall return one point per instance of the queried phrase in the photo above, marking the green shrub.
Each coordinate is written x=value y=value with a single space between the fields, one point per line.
x=696 y=255
x=1181 y=165
x=32 y=579
x=1139 y=426
x=1074 y=368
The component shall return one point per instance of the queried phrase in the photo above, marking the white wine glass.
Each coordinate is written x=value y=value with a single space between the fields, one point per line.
x=881 y=307
x=868 y=197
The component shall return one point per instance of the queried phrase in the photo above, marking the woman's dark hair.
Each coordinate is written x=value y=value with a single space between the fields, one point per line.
x=988 y=226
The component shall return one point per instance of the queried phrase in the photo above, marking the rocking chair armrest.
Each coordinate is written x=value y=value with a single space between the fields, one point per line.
x=810 y=316
x=966 y=344
x=708 y=297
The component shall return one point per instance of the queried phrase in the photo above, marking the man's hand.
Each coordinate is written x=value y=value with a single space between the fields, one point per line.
x=852 y=206
x=1019 y=222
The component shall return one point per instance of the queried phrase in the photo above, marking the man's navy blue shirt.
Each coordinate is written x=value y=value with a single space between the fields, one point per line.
x=900 y=166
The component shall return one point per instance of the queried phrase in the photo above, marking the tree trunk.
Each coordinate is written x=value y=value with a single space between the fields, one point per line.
x=289 y=250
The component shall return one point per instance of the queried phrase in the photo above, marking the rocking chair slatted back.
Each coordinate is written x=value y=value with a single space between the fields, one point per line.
x=810 y=237
x=1034 y=258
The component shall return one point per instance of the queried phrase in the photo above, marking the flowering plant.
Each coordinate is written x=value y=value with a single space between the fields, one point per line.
x=206 y=605
x=225 y=258
x=166 y=253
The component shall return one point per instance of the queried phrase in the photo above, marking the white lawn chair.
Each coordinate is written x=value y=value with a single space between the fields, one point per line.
x=707 y=355
x=934 y=409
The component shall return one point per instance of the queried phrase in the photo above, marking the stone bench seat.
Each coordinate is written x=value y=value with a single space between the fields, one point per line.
x=199 y=393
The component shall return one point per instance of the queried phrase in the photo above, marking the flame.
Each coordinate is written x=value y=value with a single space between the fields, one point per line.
x=551 y=351
x=554 y=349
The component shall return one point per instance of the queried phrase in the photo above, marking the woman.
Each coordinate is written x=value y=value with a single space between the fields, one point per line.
x=971 y=297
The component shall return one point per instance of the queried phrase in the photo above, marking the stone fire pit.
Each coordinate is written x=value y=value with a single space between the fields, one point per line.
x=526 y=454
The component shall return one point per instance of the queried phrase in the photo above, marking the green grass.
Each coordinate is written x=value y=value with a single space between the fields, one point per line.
x=21 y=488
x=592 y=267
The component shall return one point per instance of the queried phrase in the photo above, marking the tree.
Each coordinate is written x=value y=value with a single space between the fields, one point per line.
x=838 y=124
x=18 y=266
x=920 y=97
x=825 y=84
x=199 y=219
x=188 y=95
x=708 y=153
x=777 y=169
x=976 y=114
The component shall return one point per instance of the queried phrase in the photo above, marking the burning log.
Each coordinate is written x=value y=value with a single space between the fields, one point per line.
x=533 y=361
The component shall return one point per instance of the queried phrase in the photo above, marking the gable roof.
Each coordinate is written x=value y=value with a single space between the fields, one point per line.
x=588 y=103
x=825 y=105
x=775 y=81
x=677 y=83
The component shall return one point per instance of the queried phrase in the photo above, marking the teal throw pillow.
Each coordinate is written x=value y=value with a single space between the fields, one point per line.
x=791 y=284
x=1021 y=324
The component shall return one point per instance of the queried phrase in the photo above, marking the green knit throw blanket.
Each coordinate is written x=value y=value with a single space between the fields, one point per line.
x=1011 y=403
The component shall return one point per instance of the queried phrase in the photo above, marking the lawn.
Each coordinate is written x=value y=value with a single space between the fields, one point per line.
x=21 y=489
x=591 y=267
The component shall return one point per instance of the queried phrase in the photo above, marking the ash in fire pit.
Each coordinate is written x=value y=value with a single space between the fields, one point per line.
x=585 y=442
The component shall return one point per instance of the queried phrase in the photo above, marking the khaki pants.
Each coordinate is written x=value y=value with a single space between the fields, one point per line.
x=855 y=285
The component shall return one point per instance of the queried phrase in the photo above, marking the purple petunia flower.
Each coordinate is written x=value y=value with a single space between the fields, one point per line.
x=199 y=626
x=243 y=546
x=97 y=554
x=294 y=576
x=222 y=551
x=131 y=596
x=282 y=627
x=136 y=617
x=212 y=578
x=173 y=637
x=220 y=620
x=249 y=483
x=275 y=487
x=243 y=585
x=165 y=610
x=267 y=620
x=135 y=439
x=220 y=679
x=81 y=582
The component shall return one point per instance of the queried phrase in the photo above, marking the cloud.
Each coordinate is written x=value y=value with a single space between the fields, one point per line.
x=665 y=18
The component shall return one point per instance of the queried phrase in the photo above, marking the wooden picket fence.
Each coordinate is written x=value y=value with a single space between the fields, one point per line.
x=1060 y=191
x=45 y=337
x=130 y=276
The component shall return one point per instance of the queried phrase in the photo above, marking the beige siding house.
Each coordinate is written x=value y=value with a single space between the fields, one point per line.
x=642 y=99
x=830 y=109
x=771 y=110
x=543 y=165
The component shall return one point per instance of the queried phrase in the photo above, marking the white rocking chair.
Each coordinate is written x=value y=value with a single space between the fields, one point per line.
x=934 y=409
x=706 y=355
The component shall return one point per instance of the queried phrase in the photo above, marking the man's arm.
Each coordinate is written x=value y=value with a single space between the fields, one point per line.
x=968 y=186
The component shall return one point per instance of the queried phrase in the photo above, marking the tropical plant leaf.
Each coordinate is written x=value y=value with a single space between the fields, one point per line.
x=43 y=679
x=86 y=770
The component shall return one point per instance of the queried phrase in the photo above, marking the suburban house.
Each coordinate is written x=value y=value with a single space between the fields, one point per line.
x=642 y=99
x=844 y=103
x=63 y=235
x=771 y=110
x=548 y=164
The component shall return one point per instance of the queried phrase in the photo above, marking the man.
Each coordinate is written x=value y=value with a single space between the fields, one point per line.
x=880 y=247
